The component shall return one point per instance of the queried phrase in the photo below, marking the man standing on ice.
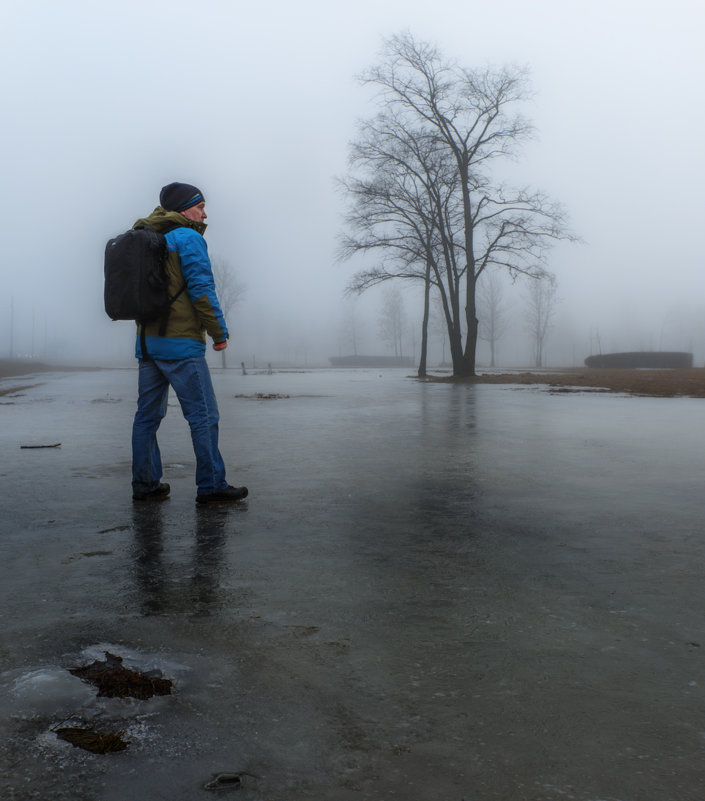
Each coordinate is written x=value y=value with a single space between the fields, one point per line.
x=175 y=354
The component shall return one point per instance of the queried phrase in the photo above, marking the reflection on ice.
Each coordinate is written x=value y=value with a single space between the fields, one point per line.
x=166 y=586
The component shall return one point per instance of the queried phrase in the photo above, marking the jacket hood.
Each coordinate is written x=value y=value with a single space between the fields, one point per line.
x=164 y=221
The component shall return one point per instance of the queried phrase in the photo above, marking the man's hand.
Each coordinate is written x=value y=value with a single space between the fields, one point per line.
x=220 y=345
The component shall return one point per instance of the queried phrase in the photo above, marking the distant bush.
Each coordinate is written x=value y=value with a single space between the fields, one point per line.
x=642 y=359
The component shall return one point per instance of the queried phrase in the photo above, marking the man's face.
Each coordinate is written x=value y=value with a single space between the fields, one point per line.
x=196 y=213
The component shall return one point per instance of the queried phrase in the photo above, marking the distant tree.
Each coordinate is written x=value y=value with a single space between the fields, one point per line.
x=541 y=308
x=597 y=347
x=420 y=190
x=229 y=289
x=493 y=317
x=424 y=321
x=349 y=326
x=12 y=328
x=393 y=320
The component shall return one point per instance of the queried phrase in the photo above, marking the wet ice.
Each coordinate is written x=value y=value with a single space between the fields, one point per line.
x=433 y=589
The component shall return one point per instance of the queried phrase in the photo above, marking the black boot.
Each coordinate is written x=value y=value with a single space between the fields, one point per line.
x=227 y=495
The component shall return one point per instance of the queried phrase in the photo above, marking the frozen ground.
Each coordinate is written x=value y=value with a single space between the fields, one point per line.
x=434 y=593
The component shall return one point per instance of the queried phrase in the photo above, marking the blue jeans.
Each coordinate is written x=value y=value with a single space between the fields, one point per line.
x=192 y=384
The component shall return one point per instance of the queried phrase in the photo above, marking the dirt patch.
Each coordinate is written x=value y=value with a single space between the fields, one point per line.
x=113 y=680
x=687 y=382
x=264 y=396
x=17 y=391
x=91 y=740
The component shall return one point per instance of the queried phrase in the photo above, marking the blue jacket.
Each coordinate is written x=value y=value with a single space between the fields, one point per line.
x=196 y=310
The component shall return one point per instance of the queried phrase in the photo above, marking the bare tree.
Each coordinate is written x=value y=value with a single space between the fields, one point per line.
x=421 y=194
x=493 y=318
x=229 y=289
x=541 y=308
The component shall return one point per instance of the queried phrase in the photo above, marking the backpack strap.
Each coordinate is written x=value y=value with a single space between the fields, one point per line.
x=143 y=343
x=165 y=318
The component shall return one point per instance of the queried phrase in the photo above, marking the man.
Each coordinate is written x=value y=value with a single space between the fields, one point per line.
x=175 y=354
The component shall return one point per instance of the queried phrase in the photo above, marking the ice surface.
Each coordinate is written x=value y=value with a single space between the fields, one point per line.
x=48 y=690
x=433 y=591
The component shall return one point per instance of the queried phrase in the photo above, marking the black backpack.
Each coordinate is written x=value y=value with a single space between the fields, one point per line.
x=136 y=282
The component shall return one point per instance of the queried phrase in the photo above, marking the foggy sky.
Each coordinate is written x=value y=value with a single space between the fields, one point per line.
x=104 y=104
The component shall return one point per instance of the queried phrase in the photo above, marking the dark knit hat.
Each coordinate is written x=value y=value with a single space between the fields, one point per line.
x=179 y=197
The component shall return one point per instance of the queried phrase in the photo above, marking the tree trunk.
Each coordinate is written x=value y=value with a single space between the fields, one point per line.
x=470 y=346
x=466 y=366
x=456 y=351
x=424 y=325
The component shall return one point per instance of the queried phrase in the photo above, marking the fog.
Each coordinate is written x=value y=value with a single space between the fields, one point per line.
x=256 y=105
